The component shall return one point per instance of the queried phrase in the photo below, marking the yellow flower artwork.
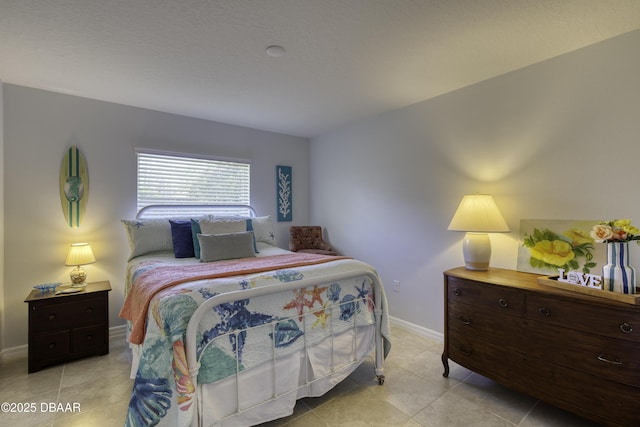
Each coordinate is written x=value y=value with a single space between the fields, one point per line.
x=547 y=245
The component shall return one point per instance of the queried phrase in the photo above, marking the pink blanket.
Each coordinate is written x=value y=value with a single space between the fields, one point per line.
x=155 y=279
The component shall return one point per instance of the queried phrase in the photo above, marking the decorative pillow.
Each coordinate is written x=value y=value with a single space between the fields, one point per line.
x=216 y=247
x=195 y=230
x=148 y=235
x=182 y=238
x=263 y=229
x=223 y=226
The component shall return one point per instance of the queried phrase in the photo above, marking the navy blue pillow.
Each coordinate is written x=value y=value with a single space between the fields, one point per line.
x=182 y=238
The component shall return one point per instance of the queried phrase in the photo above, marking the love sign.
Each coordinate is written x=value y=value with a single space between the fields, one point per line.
x=582 y=279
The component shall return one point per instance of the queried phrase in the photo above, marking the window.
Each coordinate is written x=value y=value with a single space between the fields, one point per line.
x=175 y=180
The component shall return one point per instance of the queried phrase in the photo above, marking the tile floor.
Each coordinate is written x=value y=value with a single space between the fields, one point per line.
x=414 y=394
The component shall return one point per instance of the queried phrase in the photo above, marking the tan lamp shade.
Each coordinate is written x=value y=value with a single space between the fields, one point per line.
x=79 y=254
x=478 y=215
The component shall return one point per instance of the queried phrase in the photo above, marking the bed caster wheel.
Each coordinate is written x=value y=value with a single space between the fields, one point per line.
x=380 y=379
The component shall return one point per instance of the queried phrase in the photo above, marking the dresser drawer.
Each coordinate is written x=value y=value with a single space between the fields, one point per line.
x=67 y=314
x=607 y=402
x=481 y=322
x=605 y=357
x=490 y=360
x=88 y=338
x=51 y=345
x=503 y=299
x=610 y=321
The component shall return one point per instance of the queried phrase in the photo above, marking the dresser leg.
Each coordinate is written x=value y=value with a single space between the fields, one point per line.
x=445 y=363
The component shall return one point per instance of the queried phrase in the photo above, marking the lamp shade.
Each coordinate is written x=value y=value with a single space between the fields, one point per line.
x=80 y=254
x=478 y=213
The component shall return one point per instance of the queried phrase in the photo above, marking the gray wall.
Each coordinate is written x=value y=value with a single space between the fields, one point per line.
x=40 y=126
x=556 y=140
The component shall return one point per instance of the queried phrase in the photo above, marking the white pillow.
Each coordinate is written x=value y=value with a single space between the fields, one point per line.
x=263 y=229
x=148 y=235
x=224 y=226
x=216 y=247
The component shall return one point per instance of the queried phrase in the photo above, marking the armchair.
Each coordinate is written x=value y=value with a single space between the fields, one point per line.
x=308 y=239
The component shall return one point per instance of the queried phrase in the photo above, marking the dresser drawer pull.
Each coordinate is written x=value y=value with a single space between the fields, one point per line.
x=603 y=358
x=457 y=292
x=465 y=351
x=89 y=310
x=463 y=320
x=503 y=302
x=89 y=337
x=52 y=316
x=626 y=328
x=544 y=311
x=52 y=345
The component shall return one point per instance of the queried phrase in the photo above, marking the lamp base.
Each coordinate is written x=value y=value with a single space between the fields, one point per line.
x=78 y=277
x=476 y=248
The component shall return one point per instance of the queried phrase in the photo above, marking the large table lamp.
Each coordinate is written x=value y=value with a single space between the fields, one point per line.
x=477 y=215
x=79 y=254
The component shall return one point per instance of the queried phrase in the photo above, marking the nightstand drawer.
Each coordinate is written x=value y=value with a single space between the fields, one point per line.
x=68 y=314
x=52 y=345
x=88 y=338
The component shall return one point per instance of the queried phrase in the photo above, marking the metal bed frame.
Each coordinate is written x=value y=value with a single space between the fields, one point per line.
x=204 y=309
x=191 y=339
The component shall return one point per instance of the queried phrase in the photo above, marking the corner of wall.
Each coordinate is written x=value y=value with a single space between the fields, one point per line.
x=1 y=218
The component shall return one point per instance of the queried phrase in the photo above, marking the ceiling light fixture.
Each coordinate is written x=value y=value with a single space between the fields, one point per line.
x=275 y=51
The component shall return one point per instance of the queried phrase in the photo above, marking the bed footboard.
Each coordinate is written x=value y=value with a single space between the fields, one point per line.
x=204 y=309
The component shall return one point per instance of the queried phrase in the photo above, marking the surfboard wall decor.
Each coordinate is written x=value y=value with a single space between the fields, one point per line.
x=74 y=186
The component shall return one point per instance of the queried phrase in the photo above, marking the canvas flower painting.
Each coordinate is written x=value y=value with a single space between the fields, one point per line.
x=549 y=245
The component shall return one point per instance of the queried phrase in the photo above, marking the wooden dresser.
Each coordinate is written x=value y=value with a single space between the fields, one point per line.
x=575 y=351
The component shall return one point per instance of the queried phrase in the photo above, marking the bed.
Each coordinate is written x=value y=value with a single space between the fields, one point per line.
x=236 y=333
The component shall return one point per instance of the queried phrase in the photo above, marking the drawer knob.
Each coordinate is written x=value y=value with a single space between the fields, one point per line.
x=89 y=310
x=89 y=337
x=52 y=345
x=457 y=292
x=544 y=311
x=464 y=321
x=465 y=351
x=52 y=316
x=503 y=302
x=603 y=358
x=626 y=328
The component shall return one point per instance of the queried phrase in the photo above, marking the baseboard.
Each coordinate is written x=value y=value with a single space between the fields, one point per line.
x=13 y=353
x=416 y=329
x=117 y=335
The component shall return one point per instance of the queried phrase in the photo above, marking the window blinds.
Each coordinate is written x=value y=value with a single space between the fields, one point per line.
x=171 y=179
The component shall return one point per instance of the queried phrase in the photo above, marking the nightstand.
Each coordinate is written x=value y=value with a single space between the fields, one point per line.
x=68 y=326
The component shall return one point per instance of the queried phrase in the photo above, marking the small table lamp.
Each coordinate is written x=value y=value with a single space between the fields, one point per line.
x=478 y=215
x=79 y=254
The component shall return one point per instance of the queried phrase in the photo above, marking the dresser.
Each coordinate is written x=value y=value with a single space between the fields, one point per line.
x=68 y=326
x=575 y=351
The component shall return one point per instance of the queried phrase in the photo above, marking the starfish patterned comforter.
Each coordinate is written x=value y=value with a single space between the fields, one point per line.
x=163 y=392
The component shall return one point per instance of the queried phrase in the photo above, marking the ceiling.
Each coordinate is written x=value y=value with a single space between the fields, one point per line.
x=344 y=59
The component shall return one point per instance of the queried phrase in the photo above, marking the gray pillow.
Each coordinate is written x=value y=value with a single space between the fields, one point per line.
x=216 y=247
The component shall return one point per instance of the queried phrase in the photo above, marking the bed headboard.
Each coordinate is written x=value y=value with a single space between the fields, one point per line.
x=166 y=211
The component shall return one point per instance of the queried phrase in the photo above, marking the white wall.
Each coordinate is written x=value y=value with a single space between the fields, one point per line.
x=2 y=311
x=40 y=126
x=556 y=140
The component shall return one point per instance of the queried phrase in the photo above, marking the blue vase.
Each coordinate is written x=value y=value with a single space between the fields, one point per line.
x=617 y=274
